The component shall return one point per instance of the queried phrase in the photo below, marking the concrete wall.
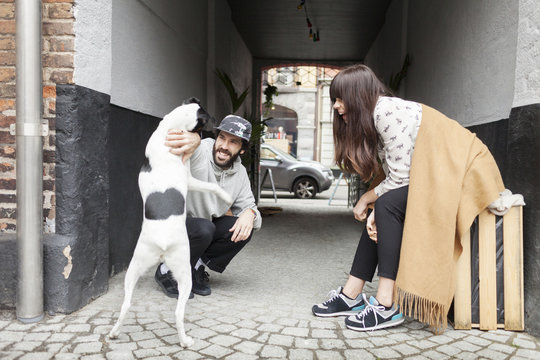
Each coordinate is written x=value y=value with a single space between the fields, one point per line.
x=527 y=76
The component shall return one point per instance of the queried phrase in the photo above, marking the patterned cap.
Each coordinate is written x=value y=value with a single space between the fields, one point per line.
x=236 y=125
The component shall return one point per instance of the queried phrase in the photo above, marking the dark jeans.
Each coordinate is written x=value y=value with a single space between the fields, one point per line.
x=211 y=241
x=389 y=218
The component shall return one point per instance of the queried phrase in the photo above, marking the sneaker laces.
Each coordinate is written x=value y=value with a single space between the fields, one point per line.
x=370 y=308
x=332 y=295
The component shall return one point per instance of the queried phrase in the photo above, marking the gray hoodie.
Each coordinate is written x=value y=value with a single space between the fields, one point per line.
x=234 y=180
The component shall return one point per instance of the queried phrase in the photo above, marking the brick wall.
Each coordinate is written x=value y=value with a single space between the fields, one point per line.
x=57 y=61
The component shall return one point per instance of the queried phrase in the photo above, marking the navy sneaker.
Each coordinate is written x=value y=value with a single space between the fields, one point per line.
x=374 y=317
x=339 y=305
x=167 y=283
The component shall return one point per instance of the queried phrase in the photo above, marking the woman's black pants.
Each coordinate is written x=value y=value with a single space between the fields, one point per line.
x=211 y=242
x=389 y=218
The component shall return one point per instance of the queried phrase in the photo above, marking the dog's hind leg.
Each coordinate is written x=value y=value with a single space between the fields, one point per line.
x=143 y=258
x=178 y=262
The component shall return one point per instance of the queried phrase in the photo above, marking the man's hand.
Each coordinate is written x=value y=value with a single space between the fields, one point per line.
x=372 y=227
x=182 y=143
x=243 y=226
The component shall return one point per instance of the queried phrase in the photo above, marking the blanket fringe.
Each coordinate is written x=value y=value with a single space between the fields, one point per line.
x=424 y=310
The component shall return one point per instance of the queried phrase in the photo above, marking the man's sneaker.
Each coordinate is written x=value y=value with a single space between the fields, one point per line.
x=168 y=284
x=200 y=279
x=339 y=305
x=375 y=316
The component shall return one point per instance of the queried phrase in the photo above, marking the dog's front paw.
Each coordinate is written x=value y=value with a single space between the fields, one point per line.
x=187 y=341
x=114 y=334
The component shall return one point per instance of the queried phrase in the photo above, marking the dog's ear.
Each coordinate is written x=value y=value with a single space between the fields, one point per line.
x=192 y=100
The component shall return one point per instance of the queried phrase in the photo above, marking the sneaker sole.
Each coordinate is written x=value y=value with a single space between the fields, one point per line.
x=341 y=313
x=378 y=327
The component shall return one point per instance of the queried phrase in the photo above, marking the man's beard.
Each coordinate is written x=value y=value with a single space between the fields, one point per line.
x=229 y=162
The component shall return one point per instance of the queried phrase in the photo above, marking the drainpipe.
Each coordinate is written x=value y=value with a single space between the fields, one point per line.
x=29 y=131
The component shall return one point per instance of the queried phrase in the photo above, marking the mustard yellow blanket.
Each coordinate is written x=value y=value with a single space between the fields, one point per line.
x=453 y=178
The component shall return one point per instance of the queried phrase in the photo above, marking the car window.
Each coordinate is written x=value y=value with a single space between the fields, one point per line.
x=267 y=154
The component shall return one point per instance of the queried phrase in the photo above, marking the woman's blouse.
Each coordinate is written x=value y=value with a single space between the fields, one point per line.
x=397 y=122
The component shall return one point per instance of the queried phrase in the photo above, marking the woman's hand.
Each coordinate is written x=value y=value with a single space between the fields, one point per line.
x=182 y=143
x=372 y=227
x=243 y=226
x=360 y=210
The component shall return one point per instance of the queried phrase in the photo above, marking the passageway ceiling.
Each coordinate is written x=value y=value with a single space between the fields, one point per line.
x=277 y=30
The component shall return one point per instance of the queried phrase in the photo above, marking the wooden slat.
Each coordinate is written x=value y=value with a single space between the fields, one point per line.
x=487 y=270
x=513 y=269
x=462 y=297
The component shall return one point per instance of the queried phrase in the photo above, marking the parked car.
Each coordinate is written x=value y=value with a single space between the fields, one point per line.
x=303 y=178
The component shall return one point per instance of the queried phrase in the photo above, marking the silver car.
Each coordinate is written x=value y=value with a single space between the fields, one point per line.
x=303 y=178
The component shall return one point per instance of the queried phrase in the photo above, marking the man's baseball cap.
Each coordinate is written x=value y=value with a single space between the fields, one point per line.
x=236 y=125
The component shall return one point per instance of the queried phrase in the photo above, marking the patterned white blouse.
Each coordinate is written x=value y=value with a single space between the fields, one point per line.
x=397 y=122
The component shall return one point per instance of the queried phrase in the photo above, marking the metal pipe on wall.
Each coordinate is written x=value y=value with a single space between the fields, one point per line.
x=29 y=161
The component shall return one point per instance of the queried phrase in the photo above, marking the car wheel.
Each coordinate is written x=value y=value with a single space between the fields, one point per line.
x=305 y=188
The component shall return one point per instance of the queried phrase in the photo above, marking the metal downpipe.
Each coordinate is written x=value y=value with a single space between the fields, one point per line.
x=29 y=161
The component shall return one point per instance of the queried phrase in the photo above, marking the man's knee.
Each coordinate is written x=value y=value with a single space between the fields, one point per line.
x=200 y=229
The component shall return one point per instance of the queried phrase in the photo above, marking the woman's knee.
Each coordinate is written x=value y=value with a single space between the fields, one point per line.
x=392 y=202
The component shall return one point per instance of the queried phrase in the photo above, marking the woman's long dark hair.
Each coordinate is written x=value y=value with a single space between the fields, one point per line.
x=355 y=141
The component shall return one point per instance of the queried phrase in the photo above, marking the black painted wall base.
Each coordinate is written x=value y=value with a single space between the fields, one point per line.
x=515 y=146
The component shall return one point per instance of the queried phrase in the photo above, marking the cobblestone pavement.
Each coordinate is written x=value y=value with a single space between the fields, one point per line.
x=260 y=308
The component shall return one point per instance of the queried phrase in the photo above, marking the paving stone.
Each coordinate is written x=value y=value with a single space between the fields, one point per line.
x=294 y=331
x=448 y=349
x=91 y=347
x=187 y=355
x=320 y=324
x=300 y=354
x=441 y=339
x=37 y=356
x=93 y=357
x=496 y=336
x=358 y=354
x=270 y=328
x=86 y=338
x=224 y=340
x=273 y=351
x=152 y=343
x=523 y=343
x=331 y=344
x=146 y=353
x=167 y=350
x=224 y=328
x=249 y=324
x=320 y=333
x=199 y=344
x=529 y=354
x=17 y=326
x=491 y=354
x=228 y=319
x=422 y=344
x=5 y=355
x=248 y=347
x=53 y=347
x=127 y=346
x=5 y=344
x=26 y=345
x=306 y=343
x=241 y=356
x=263 y=338
x=12 y=336
x=465 y=346
x=400 y=337
x=502 y=348
x=381 y=340
x=216 y=351
x=142 y=335
x=359 y=343
x=283 y=340
x=201 y=333
x=77 y=328
x=435 y=355
x=465 y=355
x=406 y=349
x=244 y=333
x=385 y=353
x=328 y=355
x=287 y=321
x=66 y=356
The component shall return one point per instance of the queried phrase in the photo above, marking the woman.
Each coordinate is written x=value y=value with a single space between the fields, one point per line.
x=452 y=178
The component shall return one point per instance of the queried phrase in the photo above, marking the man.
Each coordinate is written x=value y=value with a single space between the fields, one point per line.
x=216 y=231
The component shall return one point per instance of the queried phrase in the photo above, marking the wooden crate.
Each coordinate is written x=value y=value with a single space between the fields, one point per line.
x=513 y=275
